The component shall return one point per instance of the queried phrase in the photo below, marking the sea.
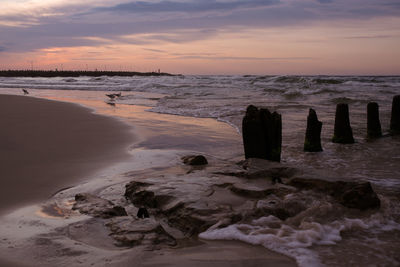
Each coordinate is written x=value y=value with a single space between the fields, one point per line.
x=324 y=235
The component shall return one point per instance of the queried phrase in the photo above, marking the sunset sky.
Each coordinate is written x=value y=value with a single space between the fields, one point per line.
x=203 y=37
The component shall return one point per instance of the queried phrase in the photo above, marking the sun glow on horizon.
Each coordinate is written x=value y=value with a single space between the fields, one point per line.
x=54 y=35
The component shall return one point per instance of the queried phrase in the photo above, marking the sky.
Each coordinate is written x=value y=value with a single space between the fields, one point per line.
x=332 y=37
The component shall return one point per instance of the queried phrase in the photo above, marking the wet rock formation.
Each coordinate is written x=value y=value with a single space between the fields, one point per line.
x=356 y=195
x=343 y=133
x=97 y=207
x=395 y=118
x=129 y=232
x=374 y=129
x=312 y=142
x=262 y=134
x=195 y=160
x=173 y=206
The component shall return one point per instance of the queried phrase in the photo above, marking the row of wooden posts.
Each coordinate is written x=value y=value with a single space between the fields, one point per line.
x=262 y=130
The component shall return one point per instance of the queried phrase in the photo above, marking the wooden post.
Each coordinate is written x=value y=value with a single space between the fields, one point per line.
x=312 y=142
x=343 y=133
x=262 y=134
x=374 y=129
x=395 y=119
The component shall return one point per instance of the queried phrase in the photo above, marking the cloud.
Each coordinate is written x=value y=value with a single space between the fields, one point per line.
x=2 y=49
x=325 y=1
x=187 y=7
x=194 y=56
x=150 y=22
x=371 y=37
x=155 y=50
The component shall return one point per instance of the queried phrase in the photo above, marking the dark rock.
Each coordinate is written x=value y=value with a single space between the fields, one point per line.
x=262 y=134
x=133 y=187
x=343 y=133
x=97 y=207
x=115 y=211
x=261 y=169
x=142 y=213
x=312 y=142
x=133 y=232
x=360 y=196
x=143 y=198
x=146 y=198
x=258 y=193
x=374 y=129
x=356 y=195
x=395 y=119
x=195 y=160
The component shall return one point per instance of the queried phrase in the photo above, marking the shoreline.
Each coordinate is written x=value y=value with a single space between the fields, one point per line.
x=152 y=153
x=47 y=145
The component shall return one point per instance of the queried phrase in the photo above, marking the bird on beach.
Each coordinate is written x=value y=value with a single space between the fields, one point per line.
x=25 y=92
x=111 y=96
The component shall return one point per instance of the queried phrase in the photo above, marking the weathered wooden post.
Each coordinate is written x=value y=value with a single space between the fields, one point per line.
x=262 y=134
x=312 y=142
x=273 y=122
x=395 y=119
x=253 y=132
x=343 y=133
x=374 y=129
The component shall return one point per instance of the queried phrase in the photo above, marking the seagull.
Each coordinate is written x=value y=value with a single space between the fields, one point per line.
x=25 y=92
x=112 y=96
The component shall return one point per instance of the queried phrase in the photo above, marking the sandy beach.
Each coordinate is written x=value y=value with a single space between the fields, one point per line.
x=46 y=139
x=48 y=145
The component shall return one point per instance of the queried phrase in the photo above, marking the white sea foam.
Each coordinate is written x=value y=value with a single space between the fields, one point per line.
x=296 y=241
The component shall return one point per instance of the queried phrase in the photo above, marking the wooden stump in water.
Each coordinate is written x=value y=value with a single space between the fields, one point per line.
x=343 y=133
x=395 y=119
x=374 y=129
x=262 y=134
x=312 y=142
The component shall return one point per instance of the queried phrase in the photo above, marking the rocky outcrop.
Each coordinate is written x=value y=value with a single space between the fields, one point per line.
x=97 y=207
x=343 y=133
x=195 y=160
x=356 y=195
x=262 y=134
x=128 y=231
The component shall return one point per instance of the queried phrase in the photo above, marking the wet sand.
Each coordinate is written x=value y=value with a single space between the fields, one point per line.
x=67 y=142
x=47 y=145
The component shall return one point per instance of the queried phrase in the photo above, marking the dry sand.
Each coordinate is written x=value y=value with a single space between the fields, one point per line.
x=47 y=145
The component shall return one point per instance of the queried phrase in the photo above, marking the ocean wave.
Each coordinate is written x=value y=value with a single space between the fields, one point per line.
x=298 y=237
x=327 y=81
